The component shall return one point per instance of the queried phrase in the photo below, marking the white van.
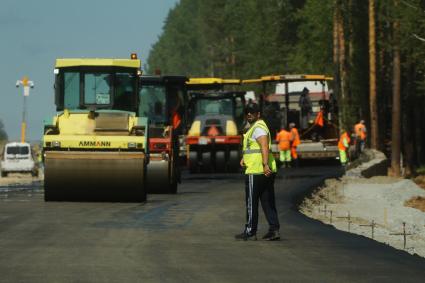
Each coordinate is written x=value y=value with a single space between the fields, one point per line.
x=17 y=158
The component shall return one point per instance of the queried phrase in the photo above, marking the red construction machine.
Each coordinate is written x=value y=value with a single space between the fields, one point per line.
x=216 y=117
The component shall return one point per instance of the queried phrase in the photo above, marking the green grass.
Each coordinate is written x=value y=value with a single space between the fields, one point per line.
x=421 y=170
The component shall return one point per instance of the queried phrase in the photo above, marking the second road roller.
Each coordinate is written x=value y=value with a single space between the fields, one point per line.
x=163 y=101
x=96 y=146
x=216 y=116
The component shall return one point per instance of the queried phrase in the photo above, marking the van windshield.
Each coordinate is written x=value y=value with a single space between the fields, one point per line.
x=17 y=150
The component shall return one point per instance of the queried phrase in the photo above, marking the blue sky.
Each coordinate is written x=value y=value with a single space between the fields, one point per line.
x=34 y=33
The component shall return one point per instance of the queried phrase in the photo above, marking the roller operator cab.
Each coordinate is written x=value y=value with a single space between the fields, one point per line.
x=163 y=101
x=95 y=148
x=216 y=117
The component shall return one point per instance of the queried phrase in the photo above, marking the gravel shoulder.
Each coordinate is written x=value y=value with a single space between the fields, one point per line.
x=15 y=180
x=355 y=204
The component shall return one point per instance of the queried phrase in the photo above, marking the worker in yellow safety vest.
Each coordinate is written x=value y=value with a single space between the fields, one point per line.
x=343 y=146
x=284 y=138
x=361 y=134
x=295 y=143
x=260 y=170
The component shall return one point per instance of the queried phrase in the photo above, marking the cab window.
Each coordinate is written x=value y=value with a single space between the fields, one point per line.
x=153 y=103
x=71 y=90
x=97 y=89
x=124 y=91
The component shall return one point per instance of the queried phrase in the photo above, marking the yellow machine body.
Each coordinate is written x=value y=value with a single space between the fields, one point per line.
x=95 y=152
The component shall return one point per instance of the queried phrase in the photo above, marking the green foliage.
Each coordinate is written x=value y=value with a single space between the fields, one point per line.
x=251 y=38
x=421 y=170
x=226 y=38
x=3 y=135
x=313 y=53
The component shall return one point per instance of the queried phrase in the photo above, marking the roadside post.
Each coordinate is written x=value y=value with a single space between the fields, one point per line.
x=26 y=84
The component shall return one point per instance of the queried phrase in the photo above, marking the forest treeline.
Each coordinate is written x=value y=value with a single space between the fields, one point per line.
x=251 y=38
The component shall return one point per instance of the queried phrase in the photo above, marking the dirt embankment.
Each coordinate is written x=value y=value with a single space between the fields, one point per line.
x=420 y=181
x=379 y=207
x=417 y=202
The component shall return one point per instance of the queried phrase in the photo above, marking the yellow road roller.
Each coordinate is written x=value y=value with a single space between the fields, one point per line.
x=95 y=147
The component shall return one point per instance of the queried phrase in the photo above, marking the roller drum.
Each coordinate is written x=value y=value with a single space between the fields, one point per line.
x=160 y=179
x=233 y=162
x=206 y=161
x=95 y=176
x=193 y=162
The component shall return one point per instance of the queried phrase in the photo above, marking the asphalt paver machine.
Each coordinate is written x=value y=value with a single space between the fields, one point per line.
x=281 y=104
x=163 y=101
x=216 y=118
x=95 y=147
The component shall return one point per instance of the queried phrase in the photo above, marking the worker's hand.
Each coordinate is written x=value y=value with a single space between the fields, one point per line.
x=242 y=163
x=267 y=171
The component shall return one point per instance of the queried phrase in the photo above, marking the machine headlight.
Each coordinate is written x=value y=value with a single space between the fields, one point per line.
x=132 y=145
x=138 y=131
x=56 y=144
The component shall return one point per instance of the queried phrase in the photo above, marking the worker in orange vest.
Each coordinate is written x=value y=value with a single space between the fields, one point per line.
x=361 y=134
x=343 y=146
x=176 y=119
x=295 y=143
x=319 y=119
x=284 y=138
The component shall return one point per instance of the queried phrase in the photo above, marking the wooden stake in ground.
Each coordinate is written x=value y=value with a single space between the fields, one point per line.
x=374 y=140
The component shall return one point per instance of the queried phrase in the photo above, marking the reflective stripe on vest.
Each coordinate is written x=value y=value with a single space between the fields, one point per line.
x=252 y=152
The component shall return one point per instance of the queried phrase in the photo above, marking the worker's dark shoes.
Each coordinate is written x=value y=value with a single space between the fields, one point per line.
x=272 y=236
x=246 y=237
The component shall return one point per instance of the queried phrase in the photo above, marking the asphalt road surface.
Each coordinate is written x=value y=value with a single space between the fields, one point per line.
x=187 y=237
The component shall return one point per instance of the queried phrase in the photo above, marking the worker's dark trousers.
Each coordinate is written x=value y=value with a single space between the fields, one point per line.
x=260 y=187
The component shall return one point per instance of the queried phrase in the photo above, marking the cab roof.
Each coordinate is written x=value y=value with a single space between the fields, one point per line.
x=97 y=62
x=210 y=83
x=288 y=78
x=163 y=79
x=206 y=81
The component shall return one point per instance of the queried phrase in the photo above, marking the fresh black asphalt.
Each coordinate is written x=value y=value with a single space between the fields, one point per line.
x=188 y=237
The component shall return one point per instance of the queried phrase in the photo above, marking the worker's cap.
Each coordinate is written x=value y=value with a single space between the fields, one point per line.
x=252 y=108
x=362 y=121
x=292 y=125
